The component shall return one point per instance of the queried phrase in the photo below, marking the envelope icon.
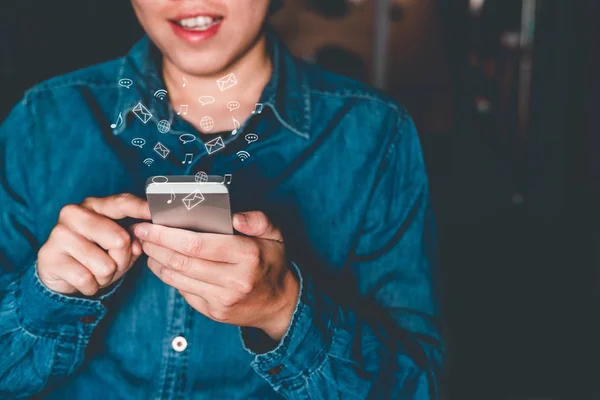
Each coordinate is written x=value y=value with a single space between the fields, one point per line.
x=214 y=145
x=226 y=82
x=193 y=199
x=142 y=112
x=161 y=149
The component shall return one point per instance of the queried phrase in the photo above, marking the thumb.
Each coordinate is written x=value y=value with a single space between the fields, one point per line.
x=256 y=223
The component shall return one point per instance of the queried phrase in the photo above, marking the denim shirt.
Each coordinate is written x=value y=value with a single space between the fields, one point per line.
x=337 y=166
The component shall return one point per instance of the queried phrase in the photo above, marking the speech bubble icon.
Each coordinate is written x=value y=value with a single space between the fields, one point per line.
x=139 y=142
x=251 y=137
x=187 y=138
x=233 y=105
x=204 y=100
x=126 y=83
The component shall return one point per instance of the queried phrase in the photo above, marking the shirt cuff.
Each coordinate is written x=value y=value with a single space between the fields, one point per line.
x=47 y=313
x=305 y=343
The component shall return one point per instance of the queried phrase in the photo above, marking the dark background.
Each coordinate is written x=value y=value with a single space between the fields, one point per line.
x=517 y=209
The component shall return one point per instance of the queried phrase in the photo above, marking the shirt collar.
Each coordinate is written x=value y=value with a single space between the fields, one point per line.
x=287 y=92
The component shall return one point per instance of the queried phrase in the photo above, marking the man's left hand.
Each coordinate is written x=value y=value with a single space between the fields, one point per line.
x=239 y=280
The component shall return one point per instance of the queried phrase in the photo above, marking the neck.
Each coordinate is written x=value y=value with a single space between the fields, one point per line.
x=252 y=70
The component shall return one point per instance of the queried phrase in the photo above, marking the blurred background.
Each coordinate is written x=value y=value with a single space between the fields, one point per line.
x=504 y=94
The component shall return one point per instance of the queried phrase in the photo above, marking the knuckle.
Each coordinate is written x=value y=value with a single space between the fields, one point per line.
x=67 y=211
x=165 y=274
x=262 y=222
x=220 y=315
x=253 y=255
x=243 y=286
x=123 y=197
x=88 y=201
x=193 y=245
x=230 y=299
x=178 y=262
x=106 y=270
x=60 y=231
x=124 y=236
x=84 y=280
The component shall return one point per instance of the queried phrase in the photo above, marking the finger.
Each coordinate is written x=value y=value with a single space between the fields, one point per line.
x=196 y=302
x=256 y=223
x=88 y=254
x=97 y=228
x=207 y=271
x=78 y=276
x=122 y=258
x=208 y=246
x=119 y=206
x=136 y=244
x=182 y=282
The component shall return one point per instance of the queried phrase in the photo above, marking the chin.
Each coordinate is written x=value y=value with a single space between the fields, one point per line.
x=202 y=64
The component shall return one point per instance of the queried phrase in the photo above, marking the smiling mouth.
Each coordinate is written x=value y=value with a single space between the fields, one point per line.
x=199 y=23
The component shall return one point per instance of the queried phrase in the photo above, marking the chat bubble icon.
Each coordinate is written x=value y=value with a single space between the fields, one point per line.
x=251 y=137
x=204 y=100
x=187 y=138
x=139 y=142
x=126 y=83
x=233 y=105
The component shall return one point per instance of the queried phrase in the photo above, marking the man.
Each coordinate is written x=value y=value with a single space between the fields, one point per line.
x=326 y=290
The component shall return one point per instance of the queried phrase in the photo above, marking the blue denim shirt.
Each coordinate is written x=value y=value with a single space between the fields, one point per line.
x=338 y=167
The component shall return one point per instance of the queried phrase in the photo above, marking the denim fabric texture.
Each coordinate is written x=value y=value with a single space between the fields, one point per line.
x=338 y=167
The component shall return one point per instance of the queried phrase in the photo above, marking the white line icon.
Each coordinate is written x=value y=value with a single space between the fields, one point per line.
x=142 y=113
x=193 y=199
x=119 y=122
x=227 y=82
x=204 y=100
x=160 y=94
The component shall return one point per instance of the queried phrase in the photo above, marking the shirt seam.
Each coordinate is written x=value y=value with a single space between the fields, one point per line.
x=401 y=120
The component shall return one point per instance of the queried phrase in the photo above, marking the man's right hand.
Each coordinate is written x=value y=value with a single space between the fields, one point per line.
x=87 y=250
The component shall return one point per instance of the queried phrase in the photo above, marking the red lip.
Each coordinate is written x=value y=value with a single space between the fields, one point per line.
x=195 y=36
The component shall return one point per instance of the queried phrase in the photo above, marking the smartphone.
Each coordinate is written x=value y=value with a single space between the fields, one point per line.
x=185 y=202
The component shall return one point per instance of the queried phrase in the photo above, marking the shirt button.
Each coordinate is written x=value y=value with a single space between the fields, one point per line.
x=179 y=344
x=88 y=319
x=275 y=370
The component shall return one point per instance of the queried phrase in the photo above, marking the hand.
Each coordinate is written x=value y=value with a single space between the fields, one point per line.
x=234 y=279
x=87 y=250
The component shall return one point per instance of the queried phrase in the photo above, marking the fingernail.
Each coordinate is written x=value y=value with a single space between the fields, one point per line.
x=141 y=232
x=242 y=219
x=136 y=248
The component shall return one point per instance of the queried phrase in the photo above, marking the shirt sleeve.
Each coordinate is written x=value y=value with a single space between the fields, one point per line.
x=388 y=343
x=43 y=334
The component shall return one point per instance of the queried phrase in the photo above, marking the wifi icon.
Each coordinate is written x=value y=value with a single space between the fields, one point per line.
x=160 y=94
x=243 y=155
x=148 y=162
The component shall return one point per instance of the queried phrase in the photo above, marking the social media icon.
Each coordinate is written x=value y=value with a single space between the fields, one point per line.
x=251 y=137
x=204 y=100
x=126 y=82
x=233 y=105
x=138 y=142
x=227 y=82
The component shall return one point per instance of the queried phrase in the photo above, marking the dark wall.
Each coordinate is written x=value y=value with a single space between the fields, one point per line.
x=41 y=39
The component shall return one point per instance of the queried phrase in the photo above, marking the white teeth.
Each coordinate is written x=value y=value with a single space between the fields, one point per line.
x=197 y=23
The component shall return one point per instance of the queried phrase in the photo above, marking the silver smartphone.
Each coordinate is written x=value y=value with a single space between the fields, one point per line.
x=186 y=202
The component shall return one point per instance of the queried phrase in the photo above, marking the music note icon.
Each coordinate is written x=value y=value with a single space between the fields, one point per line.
x=183 y=109
x=119 y=122
x=172 y=197
x=184 y=82
x=236 y=126
x=258 y=109
x=188 y=158
x=227 y=179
